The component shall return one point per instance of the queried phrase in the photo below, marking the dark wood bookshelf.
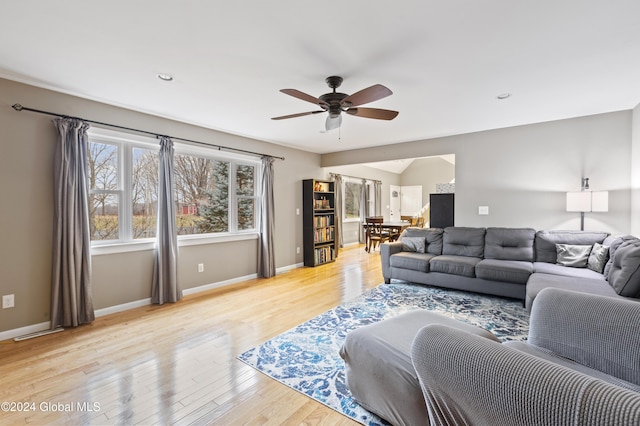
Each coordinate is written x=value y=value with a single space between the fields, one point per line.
x=319 y=221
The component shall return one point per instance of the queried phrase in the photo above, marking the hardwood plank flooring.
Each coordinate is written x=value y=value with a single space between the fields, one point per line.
x=176 y=363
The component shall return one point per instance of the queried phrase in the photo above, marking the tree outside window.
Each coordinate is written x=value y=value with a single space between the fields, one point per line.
x=352 y=200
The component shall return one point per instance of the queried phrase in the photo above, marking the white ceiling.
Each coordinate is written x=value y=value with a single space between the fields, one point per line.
x=445 y=61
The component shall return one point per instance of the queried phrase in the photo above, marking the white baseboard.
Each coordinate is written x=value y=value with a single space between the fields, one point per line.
x=35 y=328
x=224 y=283
x=123 y=307
x=29 y=329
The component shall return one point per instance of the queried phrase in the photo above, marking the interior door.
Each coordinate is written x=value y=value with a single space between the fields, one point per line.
x=410 y=200
x=394 y=203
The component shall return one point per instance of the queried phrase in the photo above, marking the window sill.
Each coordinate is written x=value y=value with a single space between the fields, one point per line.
x=183 y=241
x=350 y=220
x=195 y=240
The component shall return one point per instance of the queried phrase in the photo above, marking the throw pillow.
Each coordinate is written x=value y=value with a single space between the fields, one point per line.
x=416 y=244
x=598 y=258
x=574 y=256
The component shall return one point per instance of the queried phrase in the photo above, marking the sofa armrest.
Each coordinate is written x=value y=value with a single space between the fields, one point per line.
x=597 y=331
x=467 y=379
x=386 y=250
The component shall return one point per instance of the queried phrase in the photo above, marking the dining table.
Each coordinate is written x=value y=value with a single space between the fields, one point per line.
x=394 y=228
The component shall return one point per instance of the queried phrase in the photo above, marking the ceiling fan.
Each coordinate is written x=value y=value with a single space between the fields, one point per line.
x=335 y=103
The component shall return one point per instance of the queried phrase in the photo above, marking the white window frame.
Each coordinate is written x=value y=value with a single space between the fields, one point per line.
x=125 y=143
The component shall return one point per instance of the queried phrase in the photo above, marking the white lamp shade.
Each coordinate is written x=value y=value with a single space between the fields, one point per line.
x=579 y=201
x=600 y=201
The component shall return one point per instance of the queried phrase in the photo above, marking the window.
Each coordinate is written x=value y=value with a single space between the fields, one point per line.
x=202 y=195
x=123 y=190
x=246 y=196
x=351 y=200
x=105 y=191
x=215 y=192
x=144 y=194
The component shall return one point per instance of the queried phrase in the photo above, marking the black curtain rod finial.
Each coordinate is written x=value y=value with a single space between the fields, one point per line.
x=17 y=107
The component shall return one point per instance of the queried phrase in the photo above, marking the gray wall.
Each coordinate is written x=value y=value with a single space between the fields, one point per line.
x=428 y=172
x=26 y=209
x=522 y=173
x=635 y=172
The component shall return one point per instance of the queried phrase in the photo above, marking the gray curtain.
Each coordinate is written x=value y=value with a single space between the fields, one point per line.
x=337 y=187
x=363 y=210
x=164 y=287
x=377 y=201
x=266 y=222
x=71 y=294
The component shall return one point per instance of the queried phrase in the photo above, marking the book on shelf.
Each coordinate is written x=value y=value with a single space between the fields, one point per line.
x=323 y=235
x=324 y=254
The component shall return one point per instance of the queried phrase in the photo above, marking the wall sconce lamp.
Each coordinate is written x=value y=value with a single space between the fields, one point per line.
x=587 y=201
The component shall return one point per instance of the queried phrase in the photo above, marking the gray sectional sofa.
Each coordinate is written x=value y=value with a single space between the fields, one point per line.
x=515 y=262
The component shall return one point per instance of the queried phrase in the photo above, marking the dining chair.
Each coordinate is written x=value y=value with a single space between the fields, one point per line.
x=376 y=234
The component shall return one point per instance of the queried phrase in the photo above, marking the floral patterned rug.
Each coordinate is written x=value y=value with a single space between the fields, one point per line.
x=306 y=358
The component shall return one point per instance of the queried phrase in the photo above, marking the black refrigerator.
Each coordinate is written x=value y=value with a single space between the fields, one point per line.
x=442 y=208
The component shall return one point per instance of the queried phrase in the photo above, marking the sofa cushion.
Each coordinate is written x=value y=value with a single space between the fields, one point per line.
x=624 y=275
x=454 y=265
x=539 y=281
x=572 y=255
x=598 y=257
x=509 y=243
x=432 y=236
x=510 y=271
x=414 y=244
x=412 y=261
x=460 y=241
x=565 y=271
x=545 y=242
x=614 y=242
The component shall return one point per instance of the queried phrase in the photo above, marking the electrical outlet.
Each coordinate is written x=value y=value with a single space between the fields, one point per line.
x=8 y=301
x=200 y=267
x=297 y=250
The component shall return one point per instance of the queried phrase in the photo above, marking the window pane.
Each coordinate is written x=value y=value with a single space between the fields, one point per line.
x=352 y=200
x=245 y=190
x=104 y=216
x=103 y=166
x=244 y=180
x=144 y=192
x=202 y=195
x=246 y=214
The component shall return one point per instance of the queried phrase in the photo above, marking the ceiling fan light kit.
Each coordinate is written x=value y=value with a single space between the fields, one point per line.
x=335 y=103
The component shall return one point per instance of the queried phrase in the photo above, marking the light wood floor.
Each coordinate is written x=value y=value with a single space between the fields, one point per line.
x=176 y=363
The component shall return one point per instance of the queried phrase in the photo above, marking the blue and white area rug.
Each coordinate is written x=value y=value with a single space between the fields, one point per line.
x=306 y=357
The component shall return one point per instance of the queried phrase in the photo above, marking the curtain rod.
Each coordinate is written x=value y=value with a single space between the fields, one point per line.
x=355 y=177
x=19 y=107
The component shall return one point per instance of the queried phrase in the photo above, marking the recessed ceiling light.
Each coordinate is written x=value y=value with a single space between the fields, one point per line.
x=165 y=77
x=503 y=96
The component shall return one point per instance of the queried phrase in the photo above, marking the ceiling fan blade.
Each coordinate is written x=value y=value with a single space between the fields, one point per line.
x=300 y=95
x=300 y=114
x=370 y=94
x=333 y=122
x=377 y=113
